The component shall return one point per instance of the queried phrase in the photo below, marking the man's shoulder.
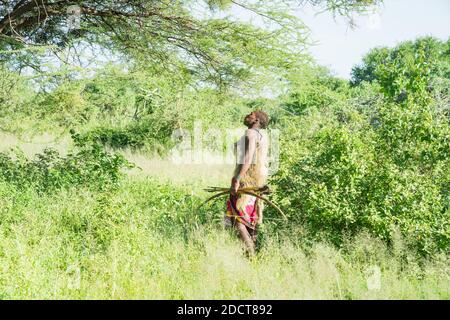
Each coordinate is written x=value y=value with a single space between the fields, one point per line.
x=251 y=133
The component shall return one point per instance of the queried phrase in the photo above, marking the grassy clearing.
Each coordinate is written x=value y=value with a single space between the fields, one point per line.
x=144 y=240
x=35 y=144
x=147 y=165
x=180 y=174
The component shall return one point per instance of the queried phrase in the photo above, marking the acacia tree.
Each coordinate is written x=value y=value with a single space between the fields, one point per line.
x=168 y=32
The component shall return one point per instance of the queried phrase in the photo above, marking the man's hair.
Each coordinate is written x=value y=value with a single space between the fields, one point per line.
x=263 y=118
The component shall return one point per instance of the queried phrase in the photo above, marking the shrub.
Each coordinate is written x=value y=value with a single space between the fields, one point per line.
x=89 y=165
x=374 y=162
x=145 y=134
x=345 y=183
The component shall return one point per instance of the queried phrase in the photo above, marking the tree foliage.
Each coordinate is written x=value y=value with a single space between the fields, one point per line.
x=413 y=67
x=379 y=165
x=166 y=33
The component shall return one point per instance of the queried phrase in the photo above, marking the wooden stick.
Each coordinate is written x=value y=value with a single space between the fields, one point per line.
x=249 y=191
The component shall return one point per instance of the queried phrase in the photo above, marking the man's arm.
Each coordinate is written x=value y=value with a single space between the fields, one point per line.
x=248 y=158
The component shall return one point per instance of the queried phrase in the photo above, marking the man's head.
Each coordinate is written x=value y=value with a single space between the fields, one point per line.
x=257 y=118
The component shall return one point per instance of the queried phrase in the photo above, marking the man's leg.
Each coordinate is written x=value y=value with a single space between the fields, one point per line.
x=245 y=236
x=259 y=210
x=254 y=236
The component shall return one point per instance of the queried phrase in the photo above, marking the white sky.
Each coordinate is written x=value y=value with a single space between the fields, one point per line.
x=339 y=47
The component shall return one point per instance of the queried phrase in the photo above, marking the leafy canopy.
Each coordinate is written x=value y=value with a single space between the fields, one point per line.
x=173 y=34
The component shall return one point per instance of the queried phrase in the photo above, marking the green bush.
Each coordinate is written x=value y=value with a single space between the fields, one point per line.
x=89 y=164
x=407 y=72
x=320 y=92
x=345 y=185
x=147 y=134
x=374 y=162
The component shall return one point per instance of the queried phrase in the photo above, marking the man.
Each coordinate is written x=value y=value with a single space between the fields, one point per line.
x=244 y=212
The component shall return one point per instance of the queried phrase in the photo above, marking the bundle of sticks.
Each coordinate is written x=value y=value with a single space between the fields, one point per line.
x=256 y=192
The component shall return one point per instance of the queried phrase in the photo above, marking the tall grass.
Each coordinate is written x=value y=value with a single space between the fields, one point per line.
x=145 y=240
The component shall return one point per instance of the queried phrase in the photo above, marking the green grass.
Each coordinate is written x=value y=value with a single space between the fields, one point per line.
x=145 y=240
